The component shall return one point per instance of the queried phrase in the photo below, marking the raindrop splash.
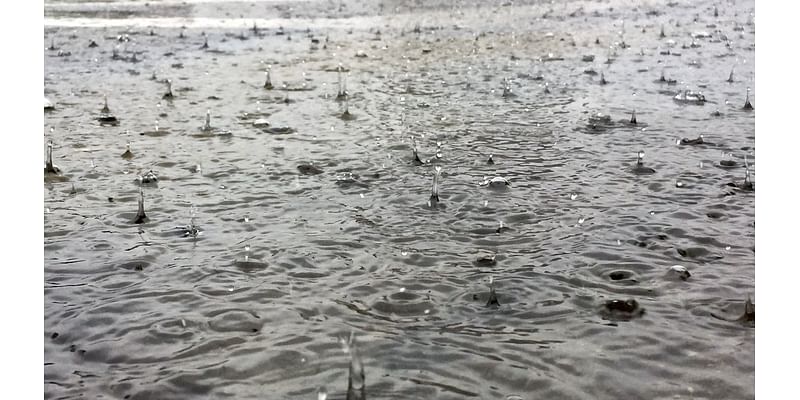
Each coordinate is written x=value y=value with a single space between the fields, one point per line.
x=415 y=153
x=492 y=302
x=434 y=199
x=168 y=95
x=207 y=126
x=356 y=383
x=342 y=94
x=105 y=109
x=268 y=78
x=141 y=217
x=747 y=104
x=127 y=154
x=49 y=168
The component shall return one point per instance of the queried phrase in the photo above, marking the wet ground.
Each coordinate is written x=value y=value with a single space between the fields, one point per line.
x=287 y=224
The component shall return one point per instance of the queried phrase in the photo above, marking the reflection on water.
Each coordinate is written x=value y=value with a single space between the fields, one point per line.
x=474 y=208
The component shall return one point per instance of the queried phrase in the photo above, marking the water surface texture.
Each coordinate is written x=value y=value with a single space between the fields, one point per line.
x=286 y=224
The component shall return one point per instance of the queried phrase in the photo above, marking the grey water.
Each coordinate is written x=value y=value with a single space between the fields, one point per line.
x=297 y=220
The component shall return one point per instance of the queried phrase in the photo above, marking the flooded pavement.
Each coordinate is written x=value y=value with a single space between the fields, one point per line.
x=510 y=201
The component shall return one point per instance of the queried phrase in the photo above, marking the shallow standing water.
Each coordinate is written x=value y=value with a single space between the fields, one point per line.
x=288 y=261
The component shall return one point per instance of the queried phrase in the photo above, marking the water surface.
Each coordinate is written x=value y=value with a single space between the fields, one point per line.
x=145 y=311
